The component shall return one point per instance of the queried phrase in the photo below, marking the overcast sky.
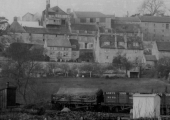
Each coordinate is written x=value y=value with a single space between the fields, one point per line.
x=11 y=8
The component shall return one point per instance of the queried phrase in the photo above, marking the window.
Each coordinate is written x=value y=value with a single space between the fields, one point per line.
x=85 y=45
x=73 y=46
x=65 y=54
x=66 y=49
x=83 y=20
x=121 y=43
x=107 y=57
x=135 y=44
x=81 y=45
x=59 y=48
x=92 y=20
x=102 y=19
x=90 y=45
x=167 y=26
x=106 y=43
x=154 y=25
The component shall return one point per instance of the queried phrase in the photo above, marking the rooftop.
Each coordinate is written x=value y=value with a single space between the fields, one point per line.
x=30 y=24
x=163 y=46
x=82 y=14
x=58 y=42
x=150 y=57
x=154 y=19
x=128 y=19
x=84 y=27
x=15 y=27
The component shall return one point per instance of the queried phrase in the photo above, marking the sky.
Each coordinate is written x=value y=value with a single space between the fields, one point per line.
x=11 y=8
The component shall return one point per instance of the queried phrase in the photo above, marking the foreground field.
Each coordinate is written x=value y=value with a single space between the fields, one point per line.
x=46 y=86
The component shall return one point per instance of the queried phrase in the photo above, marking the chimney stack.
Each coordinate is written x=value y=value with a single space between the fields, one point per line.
x=47 y=7
x=7 y=84
x=16 y=19
x=69 y=11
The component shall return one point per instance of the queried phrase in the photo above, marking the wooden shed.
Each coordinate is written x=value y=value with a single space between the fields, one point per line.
x=146 y=106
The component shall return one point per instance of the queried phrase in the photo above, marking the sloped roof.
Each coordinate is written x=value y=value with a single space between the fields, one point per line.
x=30 y=24
x=58 y=42
x=163 y=46
x=85 y=27
x=83 y=14
x=15 y=27
x=77 y=91
x=56 y=9
x=27 y=14
x=150 y=57
x=154 y=19
x=76 y=43
x=34 y=30
x=128 y=19
x=128 y=28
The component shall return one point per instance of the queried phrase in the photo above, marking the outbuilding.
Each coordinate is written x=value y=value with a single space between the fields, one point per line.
x=146 y=106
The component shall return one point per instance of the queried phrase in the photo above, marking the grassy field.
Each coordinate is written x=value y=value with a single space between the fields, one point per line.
x=46 y=86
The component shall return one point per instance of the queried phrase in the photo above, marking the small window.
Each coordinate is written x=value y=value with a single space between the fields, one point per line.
x=92 y=20
x=135 y=44
x=167 y=26
x=106 y=43
x=83 y=20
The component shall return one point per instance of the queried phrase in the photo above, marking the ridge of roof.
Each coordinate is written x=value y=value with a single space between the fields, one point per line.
x=89 y=14
x=155 y=19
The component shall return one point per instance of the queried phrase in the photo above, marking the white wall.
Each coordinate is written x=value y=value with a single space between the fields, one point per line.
x=146 y=106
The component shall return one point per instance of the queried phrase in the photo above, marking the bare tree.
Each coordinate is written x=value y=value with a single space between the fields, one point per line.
x=152 y=7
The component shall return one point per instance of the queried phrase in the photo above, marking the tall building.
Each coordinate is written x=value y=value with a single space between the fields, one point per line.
x=53 y=17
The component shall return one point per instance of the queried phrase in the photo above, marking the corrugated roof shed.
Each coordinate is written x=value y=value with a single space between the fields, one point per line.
x=163 y=46
x=154 y=19
x=59 y=42
x=150 y=57
x=83 y=14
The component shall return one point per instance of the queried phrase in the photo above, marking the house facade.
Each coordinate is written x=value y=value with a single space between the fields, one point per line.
x=52 y=17
x=155 y=28
x=58 y=49
x=92 y=18
x=109 y=46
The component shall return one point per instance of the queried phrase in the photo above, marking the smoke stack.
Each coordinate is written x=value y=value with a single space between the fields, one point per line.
x=47 y=7
x=7 y=84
